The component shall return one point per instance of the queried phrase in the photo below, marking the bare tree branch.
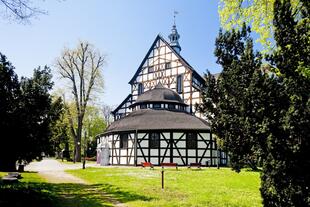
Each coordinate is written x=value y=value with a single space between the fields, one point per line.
x=82 y=67
x=20 y=10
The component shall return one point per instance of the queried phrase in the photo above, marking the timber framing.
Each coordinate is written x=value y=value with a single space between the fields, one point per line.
x=172 y=148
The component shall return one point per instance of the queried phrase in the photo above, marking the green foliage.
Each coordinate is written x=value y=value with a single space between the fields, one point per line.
x=279 y=99
x=285 y=182
x=257 y=13
x=9 y=109
x=226 y=100
x=27 y=114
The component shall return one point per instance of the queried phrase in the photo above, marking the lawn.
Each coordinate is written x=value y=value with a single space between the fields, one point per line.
x=34 y=191
x=186 y=187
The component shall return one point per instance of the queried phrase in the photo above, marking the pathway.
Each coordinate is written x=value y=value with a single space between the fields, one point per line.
x=54 y=172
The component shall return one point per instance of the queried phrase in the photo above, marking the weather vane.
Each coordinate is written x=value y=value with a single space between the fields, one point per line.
x=174 y=15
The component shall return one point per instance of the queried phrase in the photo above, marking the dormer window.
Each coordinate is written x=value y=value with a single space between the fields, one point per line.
x=168 y=65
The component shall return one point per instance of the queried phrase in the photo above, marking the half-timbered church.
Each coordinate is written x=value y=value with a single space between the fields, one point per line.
x=157 y=121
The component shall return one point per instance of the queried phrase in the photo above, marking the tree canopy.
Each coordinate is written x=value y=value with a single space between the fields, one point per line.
x=82 y=68
x=259 y=14
x=27 y=114
x=265 y=110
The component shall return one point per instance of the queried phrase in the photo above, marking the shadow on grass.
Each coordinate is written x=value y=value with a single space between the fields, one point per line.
x=63 y=195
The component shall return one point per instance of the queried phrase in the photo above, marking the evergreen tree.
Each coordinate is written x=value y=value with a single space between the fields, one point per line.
x=9 y=108
x=267 y=112
x=285 y=180
x=27 y=114
x=225 y=100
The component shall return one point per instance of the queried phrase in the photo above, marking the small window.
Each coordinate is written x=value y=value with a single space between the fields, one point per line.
x=123 y=141
x=156 y=106
x=179 y=83
x=151 y=69
x=154 y=140
x=191 y=140
x=168 y=65
x=171 y=106
x=140 y=89
x=143 y=106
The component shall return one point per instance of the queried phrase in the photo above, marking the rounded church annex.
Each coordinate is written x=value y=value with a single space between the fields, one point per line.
x=159 y=129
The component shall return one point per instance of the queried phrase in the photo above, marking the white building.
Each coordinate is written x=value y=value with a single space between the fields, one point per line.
x=157 y=121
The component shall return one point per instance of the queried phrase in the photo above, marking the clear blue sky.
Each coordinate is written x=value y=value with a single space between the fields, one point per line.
x=122 y=29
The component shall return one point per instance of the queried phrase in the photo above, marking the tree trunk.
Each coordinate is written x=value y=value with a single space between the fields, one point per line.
x=78 y=152
x=7 y=165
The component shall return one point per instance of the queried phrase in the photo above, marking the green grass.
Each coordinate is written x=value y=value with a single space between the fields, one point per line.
x=186 y=187
x=34 y=191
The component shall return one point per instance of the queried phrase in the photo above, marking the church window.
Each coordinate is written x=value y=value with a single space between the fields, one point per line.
x=179 y=83
x=156 y=106
x=123 y=141
x=168 y=65
x=171 y=106
x=140 y=88
x=151 y=69
x=191 y=140
x=154 y=139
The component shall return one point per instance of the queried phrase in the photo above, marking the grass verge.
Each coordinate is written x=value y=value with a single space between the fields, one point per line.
x=186 y=187
x=34 y=191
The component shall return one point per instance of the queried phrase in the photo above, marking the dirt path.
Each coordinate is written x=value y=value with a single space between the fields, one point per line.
x=54 y=172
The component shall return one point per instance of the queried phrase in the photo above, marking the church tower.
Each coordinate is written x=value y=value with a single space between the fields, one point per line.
x=174 y=38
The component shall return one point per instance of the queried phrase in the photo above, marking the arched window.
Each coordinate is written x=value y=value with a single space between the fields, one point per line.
x=179 y=83
x=140 y=89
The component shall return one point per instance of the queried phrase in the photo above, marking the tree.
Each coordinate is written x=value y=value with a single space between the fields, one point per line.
x=225 y=101
x=257 y=13
x=82 y=67
x=107 y=110
x=9 y=108
x=95 y=124
x=38 y=113
x=20 y=10
x=285 y=182
x=27 y=114
x=60 y=130
x=280 y=118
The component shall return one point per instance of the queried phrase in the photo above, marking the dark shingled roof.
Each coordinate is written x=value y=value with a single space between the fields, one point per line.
x=160 y=94
x=150 y=119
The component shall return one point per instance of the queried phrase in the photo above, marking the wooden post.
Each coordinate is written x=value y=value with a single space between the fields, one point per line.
x=162 y=178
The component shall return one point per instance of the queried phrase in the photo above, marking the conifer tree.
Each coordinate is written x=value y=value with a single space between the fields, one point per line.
x=285 y=180
x=225 y=101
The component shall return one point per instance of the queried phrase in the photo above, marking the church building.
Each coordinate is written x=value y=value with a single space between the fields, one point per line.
x=157 y=121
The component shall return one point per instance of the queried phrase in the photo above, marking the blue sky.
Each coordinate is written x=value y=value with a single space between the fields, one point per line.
x=121 y=29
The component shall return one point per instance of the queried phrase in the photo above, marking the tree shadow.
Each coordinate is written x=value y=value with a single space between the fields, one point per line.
x=64 y=195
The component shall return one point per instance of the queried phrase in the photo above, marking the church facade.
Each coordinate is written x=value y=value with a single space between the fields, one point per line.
x=157 y=121
x=164 y=63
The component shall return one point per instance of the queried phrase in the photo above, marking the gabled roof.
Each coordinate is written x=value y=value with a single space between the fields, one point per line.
x=159 y=37
x=119 y=106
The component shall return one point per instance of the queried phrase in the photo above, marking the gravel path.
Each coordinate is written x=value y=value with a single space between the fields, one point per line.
x=54 y=172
